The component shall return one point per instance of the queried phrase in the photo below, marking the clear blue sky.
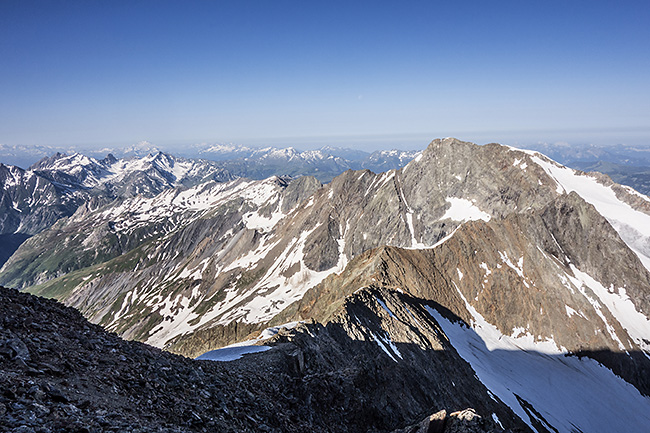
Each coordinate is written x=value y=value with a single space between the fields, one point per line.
x=117 y=72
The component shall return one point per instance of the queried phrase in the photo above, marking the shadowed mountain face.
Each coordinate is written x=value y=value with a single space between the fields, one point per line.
x=385 y=360
x=470 y=256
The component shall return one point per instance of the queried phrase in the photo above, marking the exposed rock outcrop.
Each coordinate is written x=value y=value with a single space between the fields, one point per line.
x=466 y=421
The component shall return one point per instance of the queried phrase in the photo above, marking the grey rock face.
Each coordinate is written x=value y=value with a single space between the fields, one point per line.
x=321 y=250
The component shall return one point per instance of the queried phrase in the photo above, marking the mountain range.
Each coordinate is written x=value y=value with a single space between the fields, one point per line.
x=57 y=185
x=474 y=276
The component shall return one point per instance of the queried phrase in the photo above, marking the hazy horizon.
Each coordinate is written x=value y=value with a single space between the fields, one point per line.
x=26 y=155
x=372 y=142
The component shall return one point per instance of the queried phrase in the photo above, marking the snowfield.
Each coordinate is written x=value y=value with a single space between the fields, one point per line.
x=569 y=393
x=237 y=350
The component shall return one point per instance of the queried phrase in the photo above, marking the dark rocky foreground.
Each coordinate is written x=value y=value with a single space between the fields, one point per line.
x=59 y=373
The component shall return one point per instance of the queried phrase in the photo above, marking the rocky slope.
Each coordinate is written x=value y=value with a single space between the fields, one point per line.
x=166 y=241
x=60 y=373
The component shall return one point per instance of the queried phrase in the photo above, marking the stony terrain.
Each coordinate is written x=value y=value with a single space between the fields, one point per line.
x=59 y=373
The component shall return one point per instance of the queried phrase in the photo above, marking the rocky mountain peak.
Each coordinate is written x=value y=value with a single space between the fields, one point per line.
x=48 y=161
x=109 y=159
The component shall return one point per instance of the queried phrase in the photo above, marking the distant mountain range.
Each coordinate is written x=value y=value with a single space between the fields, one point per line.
x=328 y=161
x=332 y=160
x=58 y=186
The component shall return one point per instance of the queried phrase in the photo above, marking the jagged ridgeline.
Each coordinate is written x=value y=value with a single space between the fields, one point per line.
x=501 y=259
x=59 y=186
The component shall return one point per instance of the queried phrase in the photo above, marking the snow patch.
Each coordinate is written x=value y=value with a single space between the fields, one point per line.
x=384 y=344
x=621 y=306
x=409 y=221
x=255 y=221
x=231 y=353
x=385 y=307
x=582 y=280
x=496 y=420
x=275 y=291
x=519 y=268
x=463 y=210
x=570 y=311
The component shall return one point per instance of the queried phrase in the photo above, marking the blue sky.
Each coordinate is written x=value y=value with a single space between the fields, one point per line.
x=117 y=72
